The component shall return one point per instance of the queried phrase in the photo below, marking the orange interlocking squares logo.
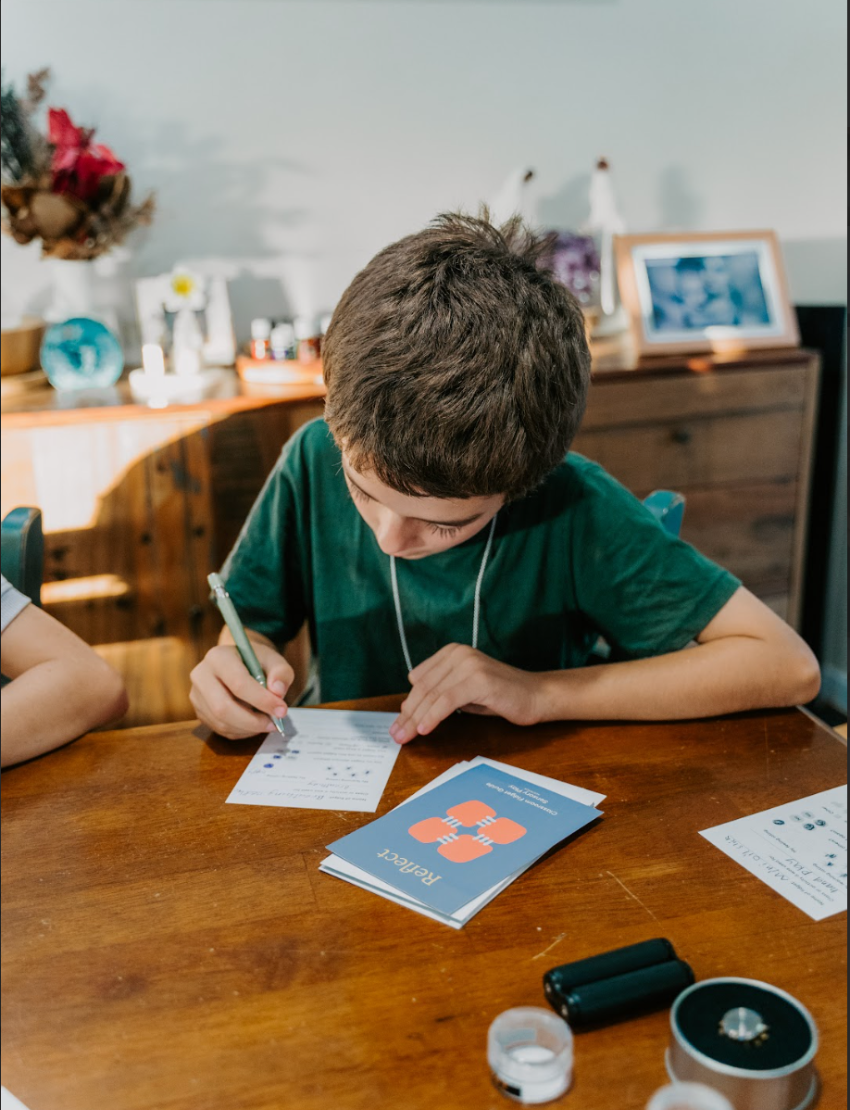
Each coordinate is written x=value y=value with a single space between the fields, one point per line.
x=464 y=847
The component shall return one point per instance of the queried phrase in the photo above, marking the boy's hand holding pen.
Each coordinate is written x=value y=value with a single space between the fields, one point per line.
x=238 y=690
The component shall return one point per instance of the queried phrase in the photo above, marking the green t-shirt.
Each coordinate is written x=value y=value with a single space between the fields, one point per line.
x=577 y=558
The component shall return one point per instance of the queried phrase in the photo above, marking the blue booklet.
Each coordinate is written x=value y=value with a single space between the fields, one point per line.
x=460 y=839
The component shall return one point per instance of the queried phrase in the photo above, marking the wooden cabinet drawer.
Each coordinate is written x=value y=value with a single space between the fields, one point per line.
x=735 y=441
x=654 y=398
x=748 y=529
x=750 y=447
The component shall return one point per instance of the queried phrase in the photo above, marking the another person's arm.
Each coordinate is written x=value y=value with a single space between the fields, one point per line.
x=745 y=658
x=60 y=687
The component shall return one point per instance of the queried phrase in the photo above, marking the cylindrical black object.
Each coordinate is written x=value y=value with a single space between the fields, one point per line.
x=561 y=980
x=623 y=996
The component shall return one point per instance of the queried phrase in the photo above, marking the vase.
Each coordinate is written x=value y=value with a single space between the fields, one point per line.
x=90 y=289
x=82 y=349
x=72 y=289
x=188 y=342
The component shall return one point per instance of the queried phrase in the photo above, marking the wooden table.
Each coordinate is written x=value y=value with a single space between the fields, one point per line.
x=165 y=951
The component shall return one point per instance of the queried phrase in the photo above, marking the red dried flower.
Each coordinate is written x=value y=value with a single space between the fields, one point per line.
x=78 y=164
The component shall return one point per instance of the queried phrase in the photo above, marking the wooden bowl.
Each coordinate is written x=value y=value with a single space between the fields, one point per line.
x=19 y=346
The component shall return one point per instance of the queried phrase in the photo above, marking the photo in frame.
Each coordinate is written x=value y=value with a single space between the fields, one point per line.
x=705 y=292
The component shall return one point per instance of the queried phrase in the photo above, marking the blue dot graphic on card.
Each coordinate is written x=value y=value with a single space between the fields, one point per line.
x=346 y=772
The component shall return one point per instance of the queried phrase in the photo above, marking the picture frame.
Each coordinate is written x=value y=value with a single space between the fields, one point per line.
x=705 y=292
x=164 y=300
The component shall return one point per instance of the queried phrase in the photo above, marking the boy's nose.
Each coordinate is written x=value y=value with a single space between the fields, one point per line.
x=392 y=535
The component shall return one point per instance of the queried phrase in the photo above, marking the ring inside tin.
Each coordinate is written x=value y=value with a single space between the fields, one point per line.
x=741 y=1024
x=744 y=1025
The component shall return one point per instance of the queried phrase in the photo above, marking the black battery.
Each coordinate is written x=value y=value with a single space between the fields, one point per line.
x=620 y=997
x=561 y=980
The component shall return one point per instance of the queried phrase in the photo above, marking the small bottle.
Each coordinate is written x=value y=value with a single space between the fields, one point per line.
x=309 y=340
x=261 y=330
x=283 y=344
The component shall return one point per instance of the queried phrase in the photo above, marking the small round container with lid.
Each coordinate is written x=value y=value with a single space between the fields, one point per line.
x=284 y=346
x=530 y=1053
x=261 y=330
x=750 y=1041
x=689 y=1096
x=309 y=338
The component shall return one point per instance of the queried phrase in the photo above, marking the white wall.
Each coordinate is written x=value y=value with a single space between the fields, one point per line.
x=293 y=139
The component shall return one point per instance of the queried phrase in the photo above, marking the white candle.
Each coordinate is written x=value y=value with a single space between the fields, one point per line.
x=153 y=360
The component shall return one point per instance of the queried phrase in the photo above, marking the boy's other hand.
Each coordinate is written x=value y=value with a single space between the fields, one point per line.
x=230 y=701
x=459 y=677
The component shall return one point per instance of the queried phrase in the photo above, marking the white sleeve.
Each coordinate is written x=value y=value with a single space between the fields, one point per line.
x=12 y=603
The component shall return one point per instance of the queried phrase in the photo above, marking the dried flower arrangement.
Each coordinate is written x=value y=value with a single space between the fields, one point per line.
x=62 y=187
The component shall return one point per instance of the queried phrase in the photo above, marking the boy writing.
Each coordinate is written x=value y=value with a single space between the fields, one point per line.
x=434 y=532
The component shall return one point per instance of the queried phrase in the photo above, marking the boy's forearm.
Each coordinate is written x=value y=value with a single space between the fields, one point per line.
x=723 y=676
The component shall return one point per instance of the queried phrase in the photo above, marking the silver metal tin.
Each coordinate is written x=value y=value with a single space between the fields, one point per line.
x=792 y=1086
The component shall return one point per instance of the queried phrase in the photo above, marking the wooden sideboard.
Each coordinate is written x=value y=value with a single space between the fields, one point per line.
x=140 y=504
x=735 y=436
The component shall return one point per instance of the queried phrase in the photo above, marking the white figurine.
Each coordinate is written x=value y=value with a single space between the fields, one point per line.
x=512 y=197
x=186 y=296
x=605 y=221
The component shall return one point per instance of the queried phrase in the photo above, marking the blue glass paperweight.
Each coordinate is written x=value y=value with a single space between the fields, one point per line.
x=81 y=354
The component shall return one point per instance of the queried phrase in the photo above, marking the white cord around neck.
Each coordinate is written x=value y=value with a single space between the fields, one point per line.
x=476 y=605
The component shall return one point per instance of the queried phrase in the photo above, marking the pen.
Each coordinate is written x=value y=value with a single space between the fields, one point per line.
x=243 y=644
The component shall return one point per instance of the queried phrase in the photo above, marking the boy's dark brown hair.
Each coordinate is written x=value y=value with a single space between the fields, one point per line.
x=456 y=366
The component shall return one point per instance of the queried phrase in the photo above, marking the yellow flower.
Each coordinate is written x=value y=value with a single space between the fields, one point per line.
x=185 y=289
x=183 y=285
